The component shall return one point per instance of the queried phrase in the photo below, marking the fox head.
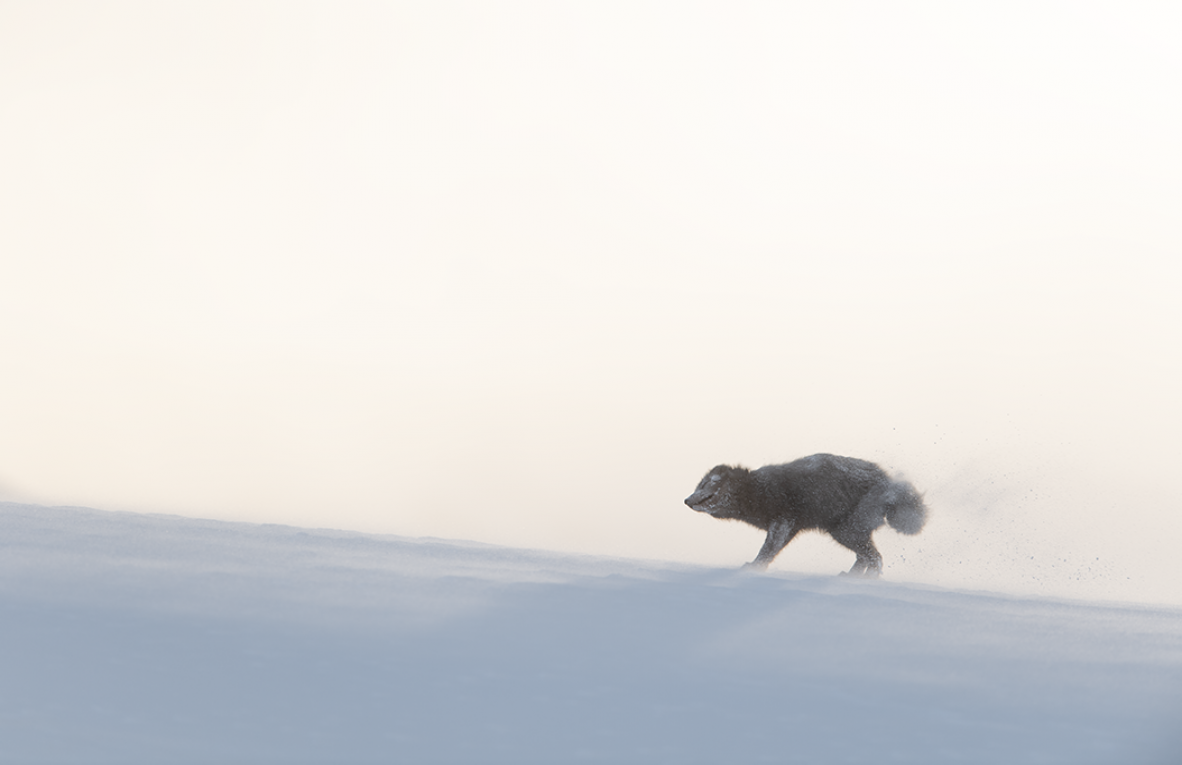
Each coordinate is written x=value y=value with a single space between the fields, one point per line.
x=716 y=495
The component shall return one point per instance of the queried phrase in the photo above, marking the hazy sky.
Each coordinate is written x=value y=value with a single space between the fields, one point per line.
x=522 y=272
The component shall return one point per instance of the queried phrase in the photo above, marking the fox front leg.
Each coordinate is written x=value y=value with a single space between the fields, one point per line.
x=779 y=534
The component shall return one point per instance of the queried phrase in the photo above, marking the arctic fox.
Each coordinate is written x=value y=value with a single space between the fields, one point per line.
x=847 y=498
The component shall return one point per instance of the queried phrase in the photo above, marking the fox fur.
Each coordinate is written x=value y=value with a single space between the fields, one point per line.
x=845 y=497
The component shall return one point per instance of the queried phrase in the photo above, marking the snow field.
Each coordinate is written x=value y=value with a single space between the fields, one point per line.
x=132 y=638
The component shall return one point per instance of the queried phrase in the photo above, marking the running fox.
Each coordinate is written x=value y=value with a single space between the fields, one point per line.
x=847 y=498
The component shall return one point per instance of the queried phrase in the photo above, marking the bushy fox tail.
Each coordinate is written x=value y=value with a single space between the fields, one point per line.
x=903 y=507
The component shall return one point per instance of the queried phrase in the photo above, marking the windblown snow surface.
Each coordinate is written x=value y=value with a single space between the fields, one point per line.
x=151 y=639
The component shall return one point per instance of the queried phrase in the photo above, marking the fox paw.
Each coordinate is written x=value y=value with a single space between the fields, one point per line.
x=870 y=573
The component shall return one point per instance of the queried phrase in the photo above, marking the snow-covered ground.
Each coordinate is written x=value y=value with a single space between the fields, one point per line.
x=153 y=639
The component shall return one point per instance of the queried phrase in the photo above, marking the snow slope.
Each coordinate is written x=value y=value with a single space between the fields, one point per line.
x=153 y=639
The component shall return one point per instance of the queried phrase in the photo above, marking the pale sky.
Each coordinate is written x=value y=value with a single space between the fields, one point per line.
x=522 y=272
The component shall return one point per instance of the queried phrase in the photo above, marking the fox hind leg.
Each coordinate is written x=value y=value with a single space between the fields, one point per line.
x=868 y=564
x=855 y=531
x=869 y=561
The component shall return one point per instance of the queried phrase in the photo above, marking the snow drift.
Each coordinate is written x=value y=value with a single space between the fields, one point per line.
x=134 y=638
